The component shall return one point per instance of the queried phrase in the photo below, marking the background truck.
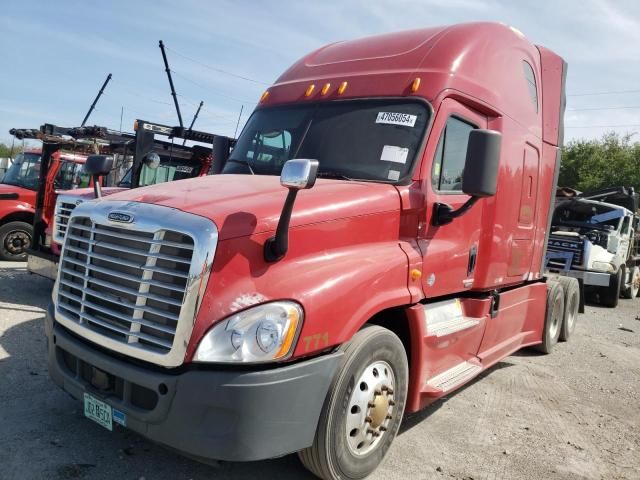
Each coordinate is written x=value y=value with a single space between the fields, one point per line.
x=150 y=161
x=375 y=241
x=18 y=191
x=595 y=238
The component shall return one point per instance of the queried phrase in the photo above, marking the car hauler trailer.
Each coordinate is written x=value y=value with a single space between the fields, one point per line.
x=375 y=241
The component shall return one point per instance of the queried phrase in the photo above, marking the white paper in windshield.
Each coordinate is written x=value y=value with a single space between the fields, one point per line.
x=391 y=153
x=393 y=175
x=396 y=118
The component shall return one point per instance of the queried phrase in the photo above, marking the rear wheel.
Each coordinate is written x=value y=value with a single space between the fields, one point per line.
x=571 y=289
x=632 y=287
x=15 y=238
x=363 y=409
x=553 y=317
x=610 y=295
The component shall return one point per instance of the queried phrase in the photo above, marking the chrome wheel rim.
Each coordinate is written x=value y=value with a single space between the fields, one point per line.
x=556 y=316
x=371 y=408
x=635 y=282
x=16 y=242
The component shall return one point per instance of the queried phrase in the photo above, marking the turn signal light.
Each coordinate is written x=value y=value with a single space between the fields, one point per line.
x=415 y=85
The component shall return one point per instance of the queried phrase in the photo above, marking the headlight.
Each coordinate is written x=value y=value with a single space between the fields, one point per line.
x=603 y=267
x=260 y=334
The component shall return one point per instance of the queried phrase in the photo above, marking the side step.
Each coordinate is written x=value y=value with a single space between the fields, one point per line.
x=452 y=378
x=445 y=318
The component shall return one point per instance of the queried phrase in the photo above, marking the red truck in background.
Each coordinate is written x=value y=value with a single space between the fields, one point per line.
x=231 y=318
x=18 y=190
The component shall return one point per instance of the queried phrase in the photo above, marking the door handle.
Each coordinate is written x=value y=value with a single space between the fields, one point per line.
x=473 y=256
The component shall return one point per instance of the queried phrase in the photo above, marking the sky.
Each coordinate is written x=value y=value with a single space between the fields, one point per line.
x=55 y=55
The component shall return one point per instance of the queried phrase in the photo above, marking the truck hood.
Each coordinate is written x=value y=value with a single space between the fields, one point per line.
x=9 y=192
x=248 y=204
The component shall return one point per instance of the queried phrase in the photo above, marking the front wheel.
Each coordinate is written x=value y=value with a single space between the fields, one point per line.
x=363 y=409
x=632 y=289
x=15 y=239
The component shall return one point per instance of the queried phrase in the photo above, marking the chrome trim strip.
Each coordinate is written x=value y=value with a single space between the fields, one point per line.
x=151 y=219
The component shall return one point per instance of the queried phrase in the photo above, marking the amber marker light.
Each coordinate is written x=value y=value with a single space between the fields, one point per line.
x=342 y=88
x=415 y=274
x=135 y=126
x=294 y=319
x=415 y=85
x=310 y=90
x=325 y=89
x=264 y=96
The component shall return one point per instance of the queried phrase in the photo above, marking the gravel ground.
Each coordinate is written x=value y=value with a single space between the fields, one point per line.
x=574 y=414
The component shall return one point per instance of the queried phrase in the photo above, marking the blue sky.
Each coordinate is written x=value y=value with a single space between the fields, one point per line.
x=55 y=55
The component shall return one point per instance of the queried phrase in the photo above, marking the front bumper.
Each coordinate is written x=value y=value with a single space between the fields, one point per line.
x=596 y=279
x=204 y=413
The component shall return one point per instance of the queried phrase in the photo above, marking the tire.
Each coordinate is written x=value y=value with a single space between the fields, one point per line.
x=368 y=394
x=571 y=289
x=15 y=238
x=632 y=289
x=609 y=296
x=553 y=317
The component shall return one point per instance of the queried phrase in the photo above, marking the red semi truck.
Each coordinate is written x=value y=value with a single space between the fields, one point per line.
x=231 y=318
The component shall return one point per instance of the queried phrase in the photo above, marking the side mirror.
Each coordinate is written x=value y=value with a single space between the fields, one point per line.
x=482 y=163
x=97 y=166
x=152 y=160
x=220 y=152
x=297 y=174
x=480 y=178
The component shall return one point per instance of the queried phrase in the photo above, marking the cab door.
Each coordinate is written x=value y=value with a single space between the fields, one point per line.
x=450 y=251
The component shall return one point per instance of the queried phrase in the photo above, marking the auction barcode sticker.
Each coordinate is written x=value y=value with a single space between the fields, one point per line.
x=396 y=118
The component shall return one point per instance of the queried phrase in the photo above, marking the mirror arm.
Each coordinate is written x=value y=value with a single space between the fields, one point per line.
x=444 y=214
x=276 y=247
x=97 y=190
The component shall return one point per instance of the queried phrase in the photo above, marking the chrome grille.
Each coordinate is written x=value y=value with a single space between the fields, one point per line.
x=64 y=207
x=567 y=245
x=134 y=287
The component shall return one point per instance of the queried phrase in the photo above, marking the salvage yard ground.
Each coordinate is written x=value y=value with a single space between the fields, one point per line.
x=574 y=414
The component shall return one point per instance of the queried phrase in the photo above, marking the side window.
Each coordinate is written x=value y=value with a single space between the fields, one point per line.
x=626 y=223
x=530 y=77
x=448 y=164
x=65 y=178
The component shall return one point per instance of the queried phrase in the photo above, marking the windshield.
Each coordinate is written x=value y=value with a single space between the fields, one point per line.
x=366 y=140
x=24 y=172
x=170 y=169
x=585 y=214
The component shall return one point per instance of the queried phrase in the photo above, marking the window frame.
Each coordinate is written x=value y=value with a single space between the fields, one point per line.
x=436 y=188
x=528 y=67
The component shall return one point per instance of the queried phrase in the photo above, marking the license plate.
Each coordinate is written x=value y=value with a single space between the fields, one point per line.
x=98 y=411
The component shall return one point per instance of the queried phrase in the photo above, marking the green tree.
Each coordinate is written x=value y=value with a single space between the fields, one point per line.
x=5 y=150
x=612 y=160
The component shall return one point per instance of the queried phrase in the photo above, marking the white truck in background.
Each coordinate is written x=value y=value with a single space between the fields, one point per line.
x=595 y=237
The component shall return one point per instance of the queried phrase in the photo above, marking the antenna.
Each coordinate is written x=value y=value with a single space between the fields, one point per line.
x=195 y=116
x=238 y=124
x=93 y=105
x=173 y=90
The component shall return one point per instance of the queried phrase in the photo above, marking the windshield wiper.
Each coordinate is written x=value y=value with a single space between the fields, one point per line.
x=242 y=162
x=333 y=175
